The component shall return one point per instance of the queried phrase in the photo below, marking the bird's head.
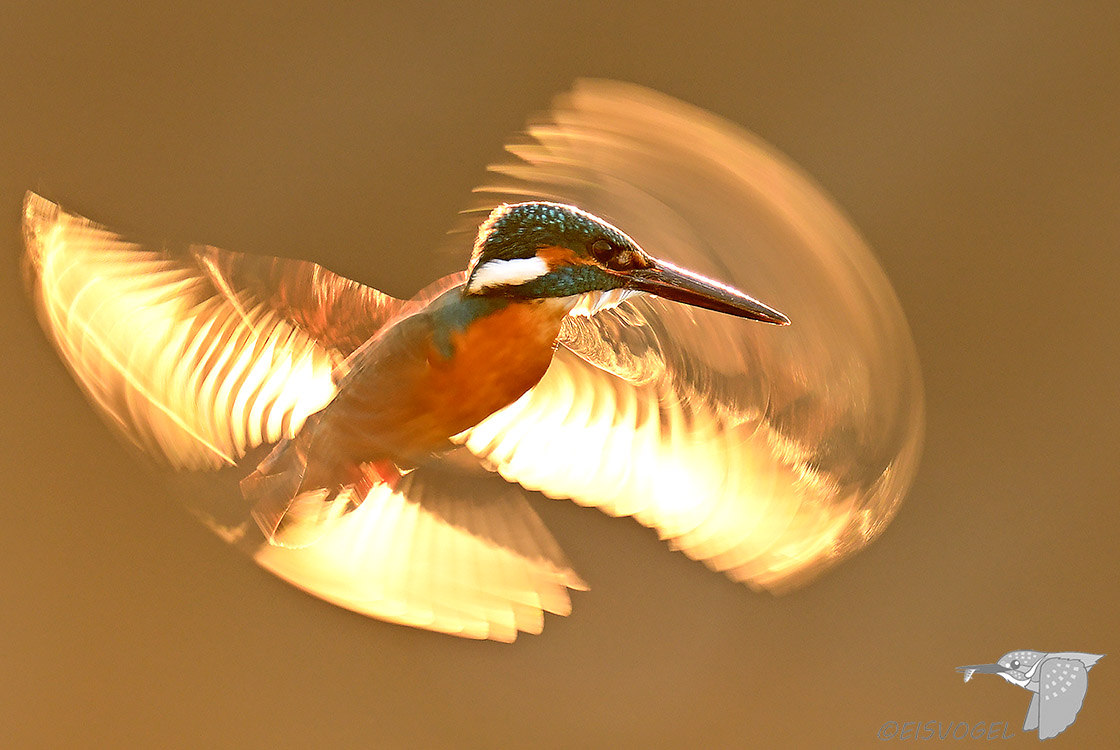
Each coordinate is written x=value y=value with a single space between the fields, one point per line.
x=1014 y=666
x=536 y=250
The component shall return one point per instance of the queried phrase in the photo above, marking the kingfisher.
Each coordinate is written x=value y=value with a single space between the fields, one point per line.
x=469 y=352
x=382 y=454
x=1058 y=679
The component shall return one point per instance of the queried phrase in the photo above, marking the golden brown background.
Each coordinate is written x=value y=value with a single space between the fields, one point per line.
x=976 y=145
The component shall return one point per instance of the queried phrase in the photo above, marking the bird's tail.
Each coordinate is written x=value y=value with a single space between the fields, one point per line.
x=291 y=509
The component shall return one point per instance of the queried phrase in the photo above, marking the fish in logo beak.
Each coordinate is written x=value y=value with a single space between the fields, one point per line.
x=972 y=669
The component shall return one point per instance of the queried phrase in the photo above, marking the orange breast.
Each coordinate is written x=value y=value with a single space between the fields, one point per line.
x=494 y=361
x=407 y=396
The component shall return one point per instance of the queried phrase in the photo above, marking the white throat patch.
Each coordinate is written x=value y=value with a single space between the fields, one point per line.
x=494 y=273
x=586 y=305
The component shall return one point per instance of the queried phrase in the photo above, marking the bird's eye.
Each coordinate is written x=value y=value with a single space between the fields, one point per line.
x=602 y=250
x=623 y=260
x=614 y=257
x=1015 y=664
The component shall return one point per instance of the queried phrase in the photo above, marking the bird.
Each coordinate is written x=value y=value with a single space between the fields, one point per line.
x=385 y=454
x=1060 y=679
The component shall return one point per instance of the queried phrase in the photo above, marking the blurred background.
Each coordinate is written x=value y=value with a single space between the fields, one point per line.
x=974 y=144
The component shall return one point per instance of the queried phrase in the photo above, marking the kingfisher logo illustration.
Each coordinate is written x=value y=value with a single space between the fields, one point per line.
x=1058 y=682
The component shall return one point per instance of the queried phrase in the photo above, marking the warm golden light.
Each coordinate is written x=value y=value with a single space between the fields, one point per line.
x=768 y=453
x=189 y=371
x=393 y=559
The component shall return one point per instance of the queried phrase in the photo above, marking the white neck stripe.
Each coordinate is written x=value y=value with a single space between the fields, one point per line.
x=507 y=273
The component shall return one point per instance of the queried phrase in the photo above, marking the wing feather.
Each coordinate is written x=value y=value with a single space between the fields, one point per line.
x=478 y=564
x=196 y=357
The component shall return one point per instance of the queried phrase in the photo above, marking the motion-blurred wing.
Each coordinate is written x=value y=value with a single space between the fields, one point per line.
x=196 y=356
x=1061 y=690
x=465 y=555
x=768 y=453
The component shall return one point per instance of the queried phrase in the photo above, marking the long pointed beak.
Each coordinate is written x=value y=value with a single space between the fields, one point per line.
x=670 y=282
x=972 y=669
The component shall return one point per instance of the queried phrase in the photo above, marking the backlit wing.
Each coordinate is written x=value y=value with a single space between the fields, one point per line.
x=458 y=554
x=199 y=356
x=768 y=453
